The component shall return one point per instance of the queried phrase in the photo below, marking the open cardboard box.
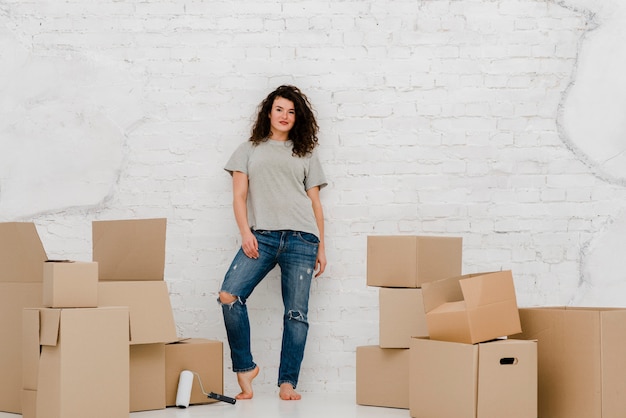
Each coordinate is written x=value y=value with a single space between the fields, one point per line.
x=131 y=262
x=76 y=360
x=494 y=379
x=22 y=257
x=472 y=308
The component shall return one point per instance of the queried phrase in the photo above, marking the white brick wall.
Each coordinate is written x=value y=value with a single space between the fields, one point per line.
x=437 y=118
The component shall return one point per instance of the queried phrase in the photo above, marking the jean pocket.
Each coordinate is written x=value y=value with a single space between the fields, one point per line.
x=308 y=238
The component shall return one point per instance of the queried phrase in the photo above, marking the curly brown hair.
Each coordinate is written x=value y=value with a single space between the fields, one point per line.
x=303 y=135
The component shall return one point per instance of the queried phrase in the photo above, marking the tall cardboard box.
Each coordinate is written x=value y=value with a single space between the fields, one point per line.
x=401 y=316
x=382 y=376
x=411 y=261
x=582 y=367
x=131 y=262
x=83 y=367
x=472 y=308
x=198 y=355
x=488 y=380
x=21 y=274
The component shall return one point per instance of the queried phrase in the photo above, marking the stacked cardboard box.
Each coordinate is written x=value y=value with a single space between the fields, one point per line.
x=465 y=369
x=399 y=266
x=64 y=305
x=440 y=354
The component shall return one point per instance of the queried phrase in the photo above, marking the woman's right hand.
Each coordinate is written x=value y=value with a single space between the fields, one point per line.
x=249 y=245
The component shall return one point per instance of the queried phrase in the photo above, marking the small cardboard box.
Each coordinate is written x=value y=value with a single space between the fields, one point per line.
x=70 y=284
x=382 y=376
x=82 y=361
x=198 y=355
x=411 y=261
x=472 y=308
x=582 y=372
x=486 y=380
x=402 y=316
x=147 y=377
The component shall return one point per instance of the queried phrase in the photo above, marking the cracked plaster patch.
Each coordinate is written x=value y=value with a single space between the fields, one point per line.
x=593 y=125
x=63 y=126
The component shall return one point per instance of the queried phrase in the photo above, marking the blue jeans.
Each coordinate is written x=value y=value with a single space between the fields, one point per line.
x=296 y=254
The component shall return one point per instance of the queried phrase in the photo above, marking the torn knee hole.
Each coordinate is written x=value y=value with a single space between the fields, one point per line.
x=296 y=316
x=226 y=298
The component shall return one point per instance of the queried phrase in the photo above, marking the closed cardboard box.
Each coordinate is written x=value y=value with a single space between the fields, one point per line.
x=402 y=316
x=582 y=367
x=198 y=355
x=83 y=365
x=382 y=376
x=70 y=284
x=411 y=261
x=496 y=379
x=472 y=308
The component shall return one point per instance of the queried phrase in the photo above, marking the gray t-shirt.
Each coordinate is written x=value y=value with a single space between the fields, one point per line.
x=277 y=185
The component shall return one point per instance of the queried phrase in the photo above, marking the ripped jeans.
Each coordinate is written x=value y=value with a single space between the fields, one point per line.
x=296 y=254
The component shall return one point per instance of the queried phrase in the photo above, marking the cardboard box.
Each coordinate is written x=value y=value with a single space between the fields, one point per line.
x=582 y=372
x=411 y=261
x=83 y=365
x=21 y=253
x=147 y=377
x=151 y=316
x=131 y=261
x=402 y=316
x=486 y=380
x=198 y=355
x=70 y=284
x=131 y=250
x=472 y=308
x=21 y=274
x=382 y=376
x=14 y=297
x=29 y=403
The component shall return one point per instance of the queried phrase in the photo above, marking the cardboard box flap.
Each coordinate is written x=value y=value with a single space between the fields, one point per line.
x=441 y=291
x=49 y=326
x=129 y=249
x=490 y=288
x=21 y=253
x=151 y=316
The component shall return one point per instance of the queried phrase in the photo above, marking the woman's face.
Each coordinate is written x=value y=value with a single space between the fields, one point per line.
x=282 y=118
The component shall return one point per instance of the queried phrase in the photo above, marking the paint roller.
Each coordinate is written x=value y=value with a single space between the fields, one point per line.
x=185 y=383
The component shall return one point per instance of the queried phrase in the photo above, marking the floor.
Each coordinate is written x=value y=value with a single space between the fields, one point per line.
x=270 y=406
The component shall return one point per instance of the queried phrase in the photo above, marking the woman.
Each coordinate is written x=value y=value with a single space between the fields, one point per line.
x=277 y=177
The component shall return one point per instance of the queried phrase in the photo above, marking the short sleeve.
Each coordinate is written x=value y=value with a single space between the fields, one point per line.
x=315 y=175
x=239 y=159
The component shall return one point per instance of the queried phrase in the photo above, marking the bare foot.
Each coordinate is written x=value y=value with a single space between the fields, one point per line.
x=245 y=383
x=288 y=393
